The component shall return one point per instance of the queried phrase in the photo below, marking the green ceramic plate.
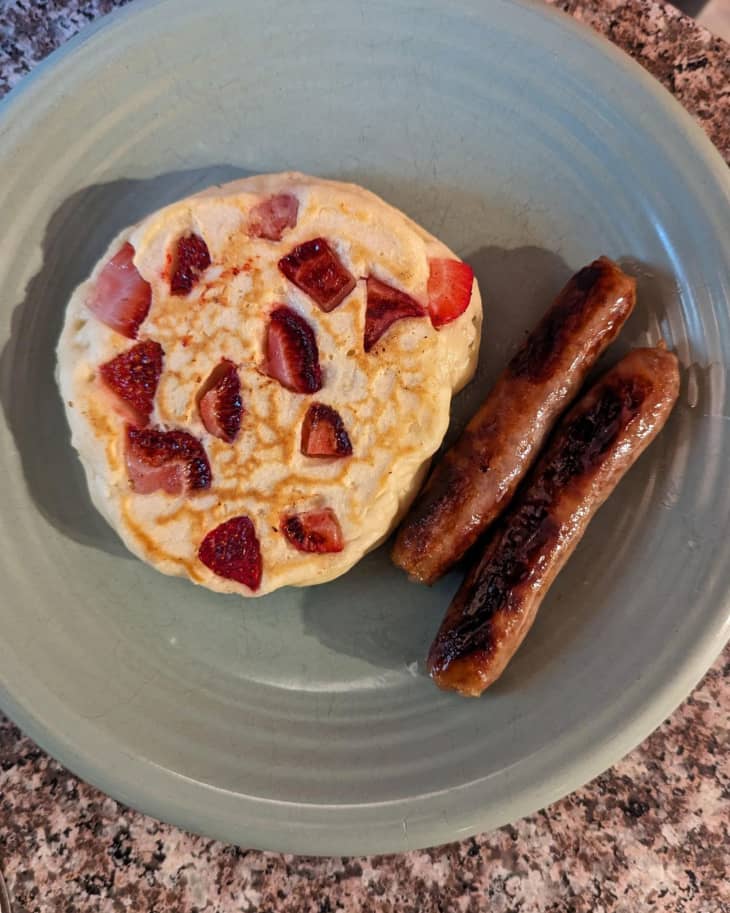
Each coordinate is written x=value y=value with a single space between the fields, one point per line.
x=304 y=721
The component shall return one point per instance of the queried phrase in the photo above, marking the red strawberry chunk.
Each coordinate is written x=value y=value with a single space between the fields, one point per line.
x=173 y=461
x=219 y=402
x=449 y=290
x=292 y=356
x=232 y=550
x=385 y=305
x=272 y=216
x=121 y=298
x=324 y=433
x=191 y=258
x=314 y=531
x=316 y=269
x=133 y=376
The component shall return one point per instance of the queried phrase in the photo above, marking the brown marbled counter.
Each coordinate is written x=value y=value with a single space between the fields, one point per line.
x=650 y=834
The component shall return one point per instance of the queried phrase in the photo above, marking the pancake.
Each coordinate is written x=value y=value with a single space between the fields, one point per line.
x=256 y=377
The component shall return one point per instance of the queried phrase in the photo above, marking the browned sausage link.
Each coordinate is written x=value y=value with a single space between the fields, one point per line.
x=476 y=478
x=594 y=446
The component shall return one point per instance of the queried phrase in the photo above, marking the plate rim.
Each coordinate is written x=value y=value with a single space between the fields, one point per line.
x=142 y=784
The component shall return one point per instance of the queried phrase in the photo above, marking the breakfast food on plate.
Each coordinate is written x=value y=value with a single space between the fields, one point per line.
x=256 y=377
x=595 y=444
x=478 y=476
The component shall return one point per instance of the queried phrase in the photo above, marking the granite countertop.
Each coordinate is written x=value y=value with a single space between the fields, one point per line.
x=650 y=834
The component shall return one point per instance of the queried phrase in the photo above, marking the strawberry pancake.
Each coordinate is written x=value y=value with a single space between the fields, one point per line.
x=257 y=376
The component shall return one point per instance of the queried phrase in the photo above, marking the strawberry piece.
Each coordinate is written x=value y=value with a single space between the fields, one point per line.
x=269 y=218
x=121 y=298
x=232 y=550
x=133 y=376
x=449 y=290
x=191 y=258
x=314 y=531
x=219 y=402
x=316 y=269
x=385 y=305
x=292 y=356
x=173 y=461
x=324 y=433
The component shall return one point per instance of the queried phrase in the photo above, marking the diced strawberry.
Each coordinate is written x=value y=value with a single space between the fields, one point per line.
x=314 y=531
x=173 y=461
x=324 y=433
x=269 y=218
x=316 y=269
x=191 y=258
x=219 y=401
x=133 y=376
x=121 y=298
x=232 y=550
x=292 y=356
x=385 y=305
x=449 y=290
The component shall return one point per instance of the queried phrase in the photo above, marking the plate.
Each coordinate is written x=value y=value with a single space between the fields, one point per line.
x=304 y=722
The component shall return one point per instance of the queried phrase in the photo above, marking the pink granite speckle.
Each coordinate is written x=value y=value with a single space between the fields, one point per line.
x=651 y=834
x=693 y=64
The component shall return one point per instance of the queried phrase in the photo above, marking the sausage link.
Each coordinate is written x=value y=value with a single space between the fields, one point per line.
x=596 y=443
x=478 y=476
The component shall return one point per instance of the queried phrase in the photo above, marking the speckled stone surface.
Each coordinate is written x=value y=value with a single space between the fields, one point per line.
x=693 y=64
x=651 y=834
